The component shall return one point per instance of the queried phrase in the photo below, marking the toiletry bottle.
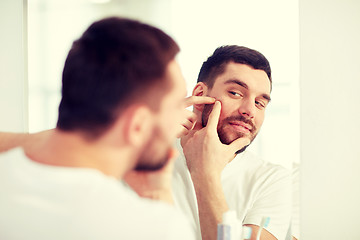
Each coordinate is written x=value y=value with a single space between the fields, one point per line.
x=230 y=228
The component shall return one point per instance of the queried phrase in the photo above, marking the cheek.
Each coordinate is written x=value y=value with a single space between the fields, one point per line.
x=228 y=105
x=227 y=109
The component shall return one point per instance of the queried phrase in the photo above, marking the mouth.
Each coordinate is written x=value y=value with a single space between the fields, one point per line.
x=241 y=126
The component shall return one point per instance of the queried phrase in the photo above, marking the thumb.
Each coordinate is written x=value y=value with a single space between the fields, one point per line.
x=239 y=144
x=214 y=117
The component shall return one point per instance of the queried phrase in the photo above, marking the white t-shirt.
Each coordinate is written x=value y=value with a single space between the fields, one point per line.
x=39 y=201
x=253 y=188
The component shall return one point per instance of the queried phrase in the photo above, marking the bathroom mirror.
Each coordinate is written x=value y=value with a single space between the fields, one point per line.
x=271 y=27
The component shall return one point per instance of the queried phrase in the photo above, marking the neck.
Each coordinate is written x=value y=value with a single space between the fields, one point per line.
x=73 y=150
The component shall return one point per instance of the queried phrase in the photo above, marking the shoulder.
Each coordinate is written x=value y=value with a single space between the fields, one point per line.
x=249 y=166
x=270 y=193
x=163 y=220
x=120 y=212
x=263 y=168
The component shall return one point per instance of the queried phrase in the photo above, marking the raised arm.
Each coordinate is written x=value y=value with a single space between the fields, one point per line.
x=10 y=140
x=206 y=157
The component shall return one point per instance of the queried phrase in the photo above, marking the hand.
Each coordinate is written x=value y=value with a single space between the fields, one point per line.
x=190 y=117
x=154 y=184
x=203 y=150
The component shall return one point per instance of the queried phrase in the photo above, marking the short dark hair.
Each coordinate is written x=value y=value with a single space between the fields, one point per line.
x=115 y=62
x=215 y=64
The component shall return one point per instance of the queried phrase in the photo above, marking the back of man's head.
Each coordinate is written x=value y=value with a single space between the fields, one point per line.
x=215 y=64
x=114 y=63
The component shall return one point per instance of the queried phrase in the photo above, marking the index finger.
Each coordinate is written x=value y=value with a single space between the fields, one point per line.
x=193 y=100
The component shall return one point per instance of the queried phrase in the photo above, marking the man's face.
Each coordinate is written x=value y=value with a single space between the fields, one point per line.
x=167 y=122
x=244 y=93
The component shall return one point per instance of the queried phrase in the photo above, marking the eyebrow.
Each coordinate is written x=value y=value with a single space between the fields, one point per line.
x=244 y=85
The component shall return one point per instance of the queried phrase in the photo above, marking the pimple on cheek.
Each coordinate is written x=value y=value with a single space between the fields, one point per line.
x=223 y=109
x=220 y=99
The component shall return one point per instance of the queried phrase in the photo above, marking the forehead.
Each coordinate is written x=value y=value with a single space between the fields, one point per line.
x=255 y=79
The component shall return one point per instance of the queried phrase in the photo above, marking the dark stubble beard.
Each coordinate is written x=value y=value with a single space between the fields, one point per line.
x=152 y=158
x=223 y=136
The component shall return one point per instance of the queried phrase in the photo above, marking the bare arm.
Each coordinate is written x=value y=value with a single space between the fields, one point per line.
x=265 y=235
x=10 y=140
x=206 y=157
x=211 y=204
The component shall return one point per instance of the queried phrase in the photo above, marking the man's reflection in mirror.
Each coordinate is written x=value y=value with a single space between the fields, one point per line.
x=215 y=172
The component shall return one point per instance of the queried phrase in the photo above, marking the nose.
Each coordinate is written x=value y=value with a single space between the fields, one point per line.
x=247 y=109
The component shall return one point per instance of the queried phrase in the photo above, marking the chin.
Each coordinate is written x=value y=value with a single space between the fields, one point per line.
x=150 y=166
x=152 y=160
x=228 y=137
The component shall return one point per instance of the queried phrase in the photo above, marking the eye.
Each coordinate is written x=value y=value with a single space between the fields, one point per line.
x=260 y=105
x=236 y=94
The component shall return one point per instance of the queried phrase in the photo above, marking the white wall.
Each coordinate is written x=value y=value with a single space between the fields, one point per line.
x=330 y=119
x=13 y=90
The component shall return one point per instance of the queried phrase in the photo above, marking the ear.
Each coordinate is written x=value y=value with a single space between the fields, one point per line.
x=138 y=125
x=200 y=89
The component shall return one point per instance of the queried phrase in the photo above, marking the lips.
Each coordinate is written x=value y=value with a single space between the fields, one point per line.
x=241 y=126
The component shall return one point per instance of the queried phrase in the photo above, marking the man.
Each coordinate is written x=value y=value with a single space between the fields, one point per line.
x=215 y=173
x=121 y=108
x=258 y=193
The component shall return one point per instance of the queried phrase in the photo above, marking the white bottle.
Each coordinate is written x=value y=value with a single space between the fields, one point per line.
x=231 y=228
